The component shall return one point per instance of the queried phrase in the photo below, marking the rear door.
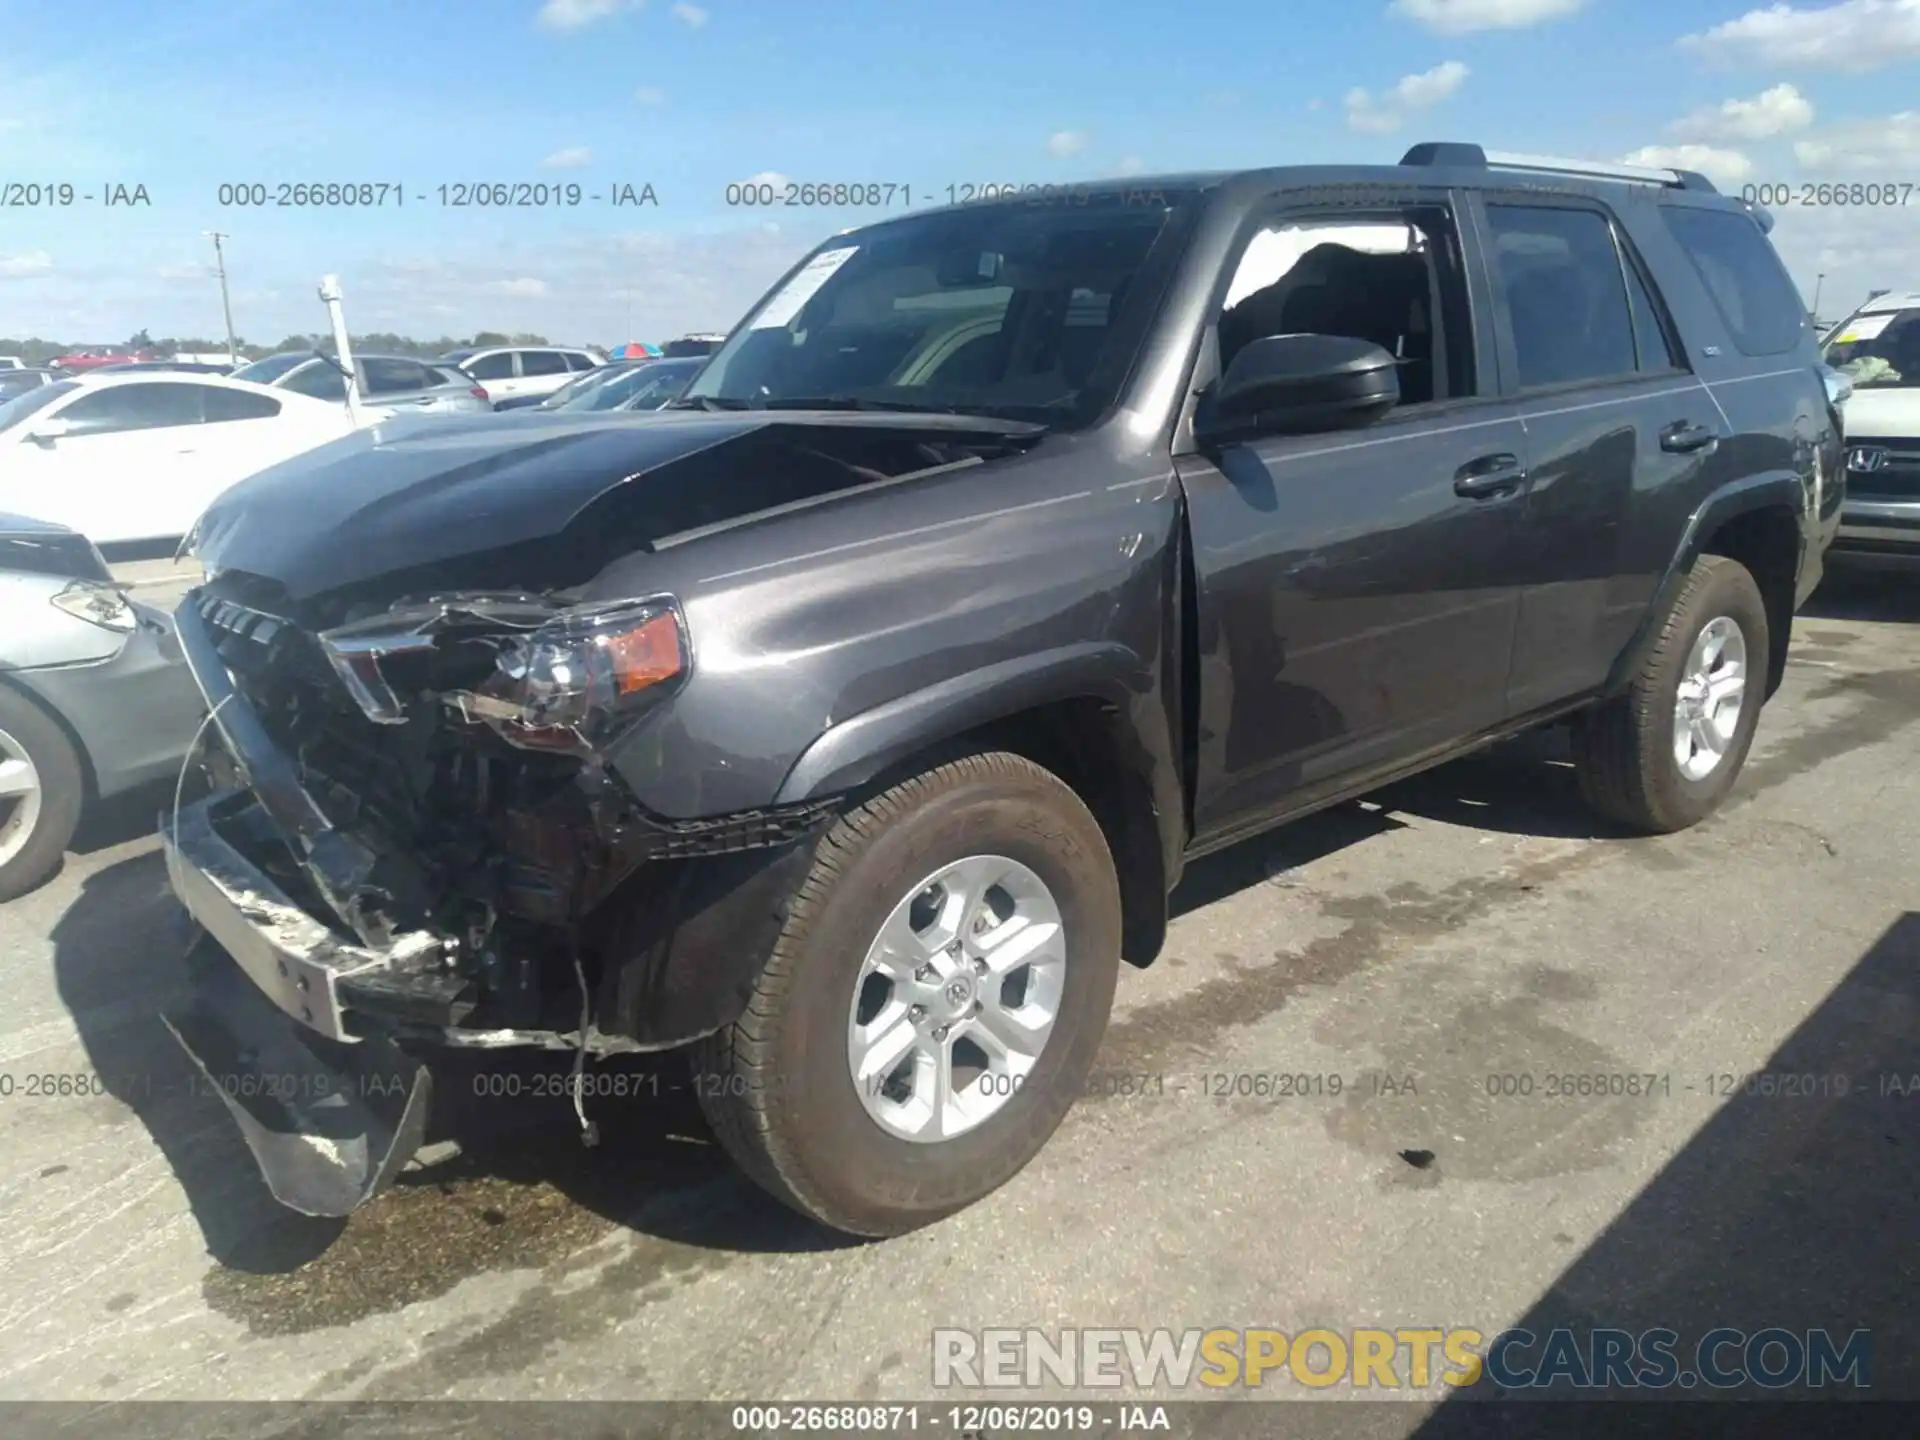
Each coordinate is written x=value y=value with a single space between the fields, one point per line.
x=1356 y=589
x=541 y=372
x=1616 y=426
x=495 y=372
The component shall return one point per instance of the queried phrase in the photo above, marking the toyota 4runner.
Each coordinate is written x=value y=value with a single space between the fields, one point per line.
x=849 y=721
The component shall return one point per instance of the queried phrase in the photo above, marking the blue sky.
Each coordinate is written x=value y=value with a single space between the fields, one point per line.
x=184 y=98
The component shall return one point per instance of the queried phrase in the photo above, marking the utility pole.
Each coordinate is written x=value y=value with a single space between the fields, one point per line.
x=1818 y=281
x=226 y=305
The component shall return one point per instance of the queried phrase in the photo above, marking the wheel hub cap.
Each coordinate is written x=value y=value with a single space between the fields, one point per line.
x=19 y=797
x=956 y=998
x=1711 y=695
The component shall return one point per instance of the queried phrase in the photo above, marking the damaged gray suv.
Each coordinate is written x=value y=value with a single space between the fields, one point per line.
x=848 y=722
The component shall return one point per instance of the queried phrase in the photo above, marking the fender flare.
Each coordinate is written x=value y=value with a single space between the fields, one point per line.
x=853 y=751
x=1771 y=489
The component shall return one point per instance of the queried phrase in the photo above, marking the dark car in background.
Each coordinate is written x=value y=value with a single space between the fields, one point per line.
x=15 y=383
x=621 y=385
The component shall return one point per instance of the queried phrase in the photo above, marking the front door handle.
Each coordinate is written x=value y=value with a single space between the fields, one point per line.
x=1683 y=438
x=1488 y=476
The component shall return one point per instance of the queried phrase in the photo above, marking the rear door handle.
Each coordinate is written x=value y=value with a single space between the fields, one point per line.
x=1488 y=476
x=1683 y=438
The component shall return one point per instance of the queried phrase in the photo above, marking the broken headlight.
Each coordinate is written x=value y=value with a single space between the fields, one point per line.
x=575 y=681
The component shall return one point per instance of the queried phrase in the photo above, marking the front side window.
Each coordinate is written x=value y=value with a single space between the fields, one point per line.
x=972 y=310
x=1738 y=266
x=1878 y=352
x=1375 y=279
x=1559 y=272
x=122 y=408
x=542 y=362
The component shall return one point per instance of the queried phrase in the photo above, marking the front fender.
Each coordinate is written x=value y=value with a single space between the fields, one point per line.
x=855 y=750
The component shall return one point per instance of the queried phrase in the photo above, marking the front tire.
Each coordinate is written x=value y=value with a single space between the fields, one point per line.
x=42 y=789
x=1663 y=755
x=933 y=1005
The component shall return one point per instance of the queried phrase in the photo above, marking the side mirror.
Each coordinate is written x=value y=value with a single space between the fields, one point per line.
x=48 y=431
x=1299 y=384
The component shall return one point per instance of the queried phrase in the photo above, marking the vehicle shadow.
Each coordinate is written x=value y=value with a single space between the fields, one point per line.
x=517 y=1170
x=1789 y=1211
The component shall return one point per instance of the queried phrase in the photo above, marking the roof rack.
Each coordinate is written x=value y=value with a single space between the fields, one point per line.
x=1447 y=152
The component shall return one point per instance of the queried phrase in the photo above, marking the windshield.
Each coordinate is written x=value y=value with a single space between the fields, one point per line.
x=1023 y=310
x=575 y=394
x=265 y=372
x=17 y=382
x=1878 y=351
x=656 y=384
x=14 y=411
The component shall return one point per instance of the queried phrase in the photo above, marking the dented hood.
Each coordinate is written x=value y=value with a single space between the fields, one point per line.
x=400 y=497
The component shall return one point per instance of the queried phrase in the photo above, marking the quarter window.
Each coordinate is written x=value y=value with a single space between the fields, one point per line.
x=1559 y=271
x=1749 y=286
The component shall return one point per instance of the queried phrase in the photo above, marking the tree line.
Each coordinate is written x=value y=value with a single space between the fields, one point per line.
x=36 y=351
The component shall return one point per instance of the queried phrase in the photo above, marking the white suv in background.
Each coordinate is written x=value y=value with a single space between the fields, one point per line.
x=1878 y=349
x=519 y=371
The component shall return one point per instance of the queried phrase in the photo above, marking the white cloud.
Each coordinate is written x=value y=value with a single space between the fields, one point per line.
x=1854 y=35
x=25 y=264
x=572 y=158
x=692 y=15
x=1857 y=248
x=1861 y=147
x=1411 y=93
x=578 y=14
x=525 y=288
x=1063 y=143
x=1772 y=112
x=772 y=179
x=1720 y=166
x=650 y=95
x=1458 y=17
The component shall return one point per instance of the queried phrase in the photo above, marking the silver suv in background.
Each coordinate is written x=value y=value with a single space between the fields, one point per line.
x=515 y=372
x=390 y=385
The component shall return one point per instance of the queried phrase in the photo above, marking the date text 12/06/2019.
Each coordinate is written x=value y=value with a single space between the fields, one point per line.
x=458 y=195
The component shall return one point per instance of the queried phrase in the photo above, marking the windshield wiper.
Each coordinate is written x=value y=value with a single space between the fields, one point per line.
x=857 y=402
x=707 y=402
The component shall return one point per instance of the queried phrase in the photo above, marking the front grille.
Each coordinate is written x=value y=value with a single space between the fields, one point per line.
x=1897 y=479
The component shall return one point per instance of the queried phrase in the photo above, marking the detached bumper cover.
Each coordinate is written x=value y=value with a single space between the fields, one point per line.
x=330 y=1117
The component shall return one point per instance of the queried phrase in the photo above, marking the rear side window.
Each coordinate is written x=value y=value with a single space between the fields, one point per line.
x=1559 y=271
x=236 y=405
x=1740 y=270
x=381 y=376
x=542 y=362
x=577 y=362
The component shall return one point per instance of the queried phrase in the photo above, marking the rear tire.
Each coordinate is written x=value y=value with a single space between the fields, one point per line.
x=1628 y=751
x=42 y=790
x=779 y=1085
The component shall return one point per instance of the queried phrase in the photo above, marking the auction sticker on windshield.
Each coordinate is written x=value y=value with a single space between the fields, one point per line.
x=802 y=287
x=1865 y=328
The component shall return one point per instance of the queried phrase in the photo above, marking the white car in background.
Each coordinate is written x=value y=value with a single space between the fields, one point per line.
x=139 y=456
x=12 y=362
x=1877 y=349
x=515 y=372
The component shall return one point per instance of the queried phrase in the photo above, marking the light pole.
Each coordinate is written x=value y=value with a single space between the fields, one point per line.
x=226 y=305
x=1818 y=281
